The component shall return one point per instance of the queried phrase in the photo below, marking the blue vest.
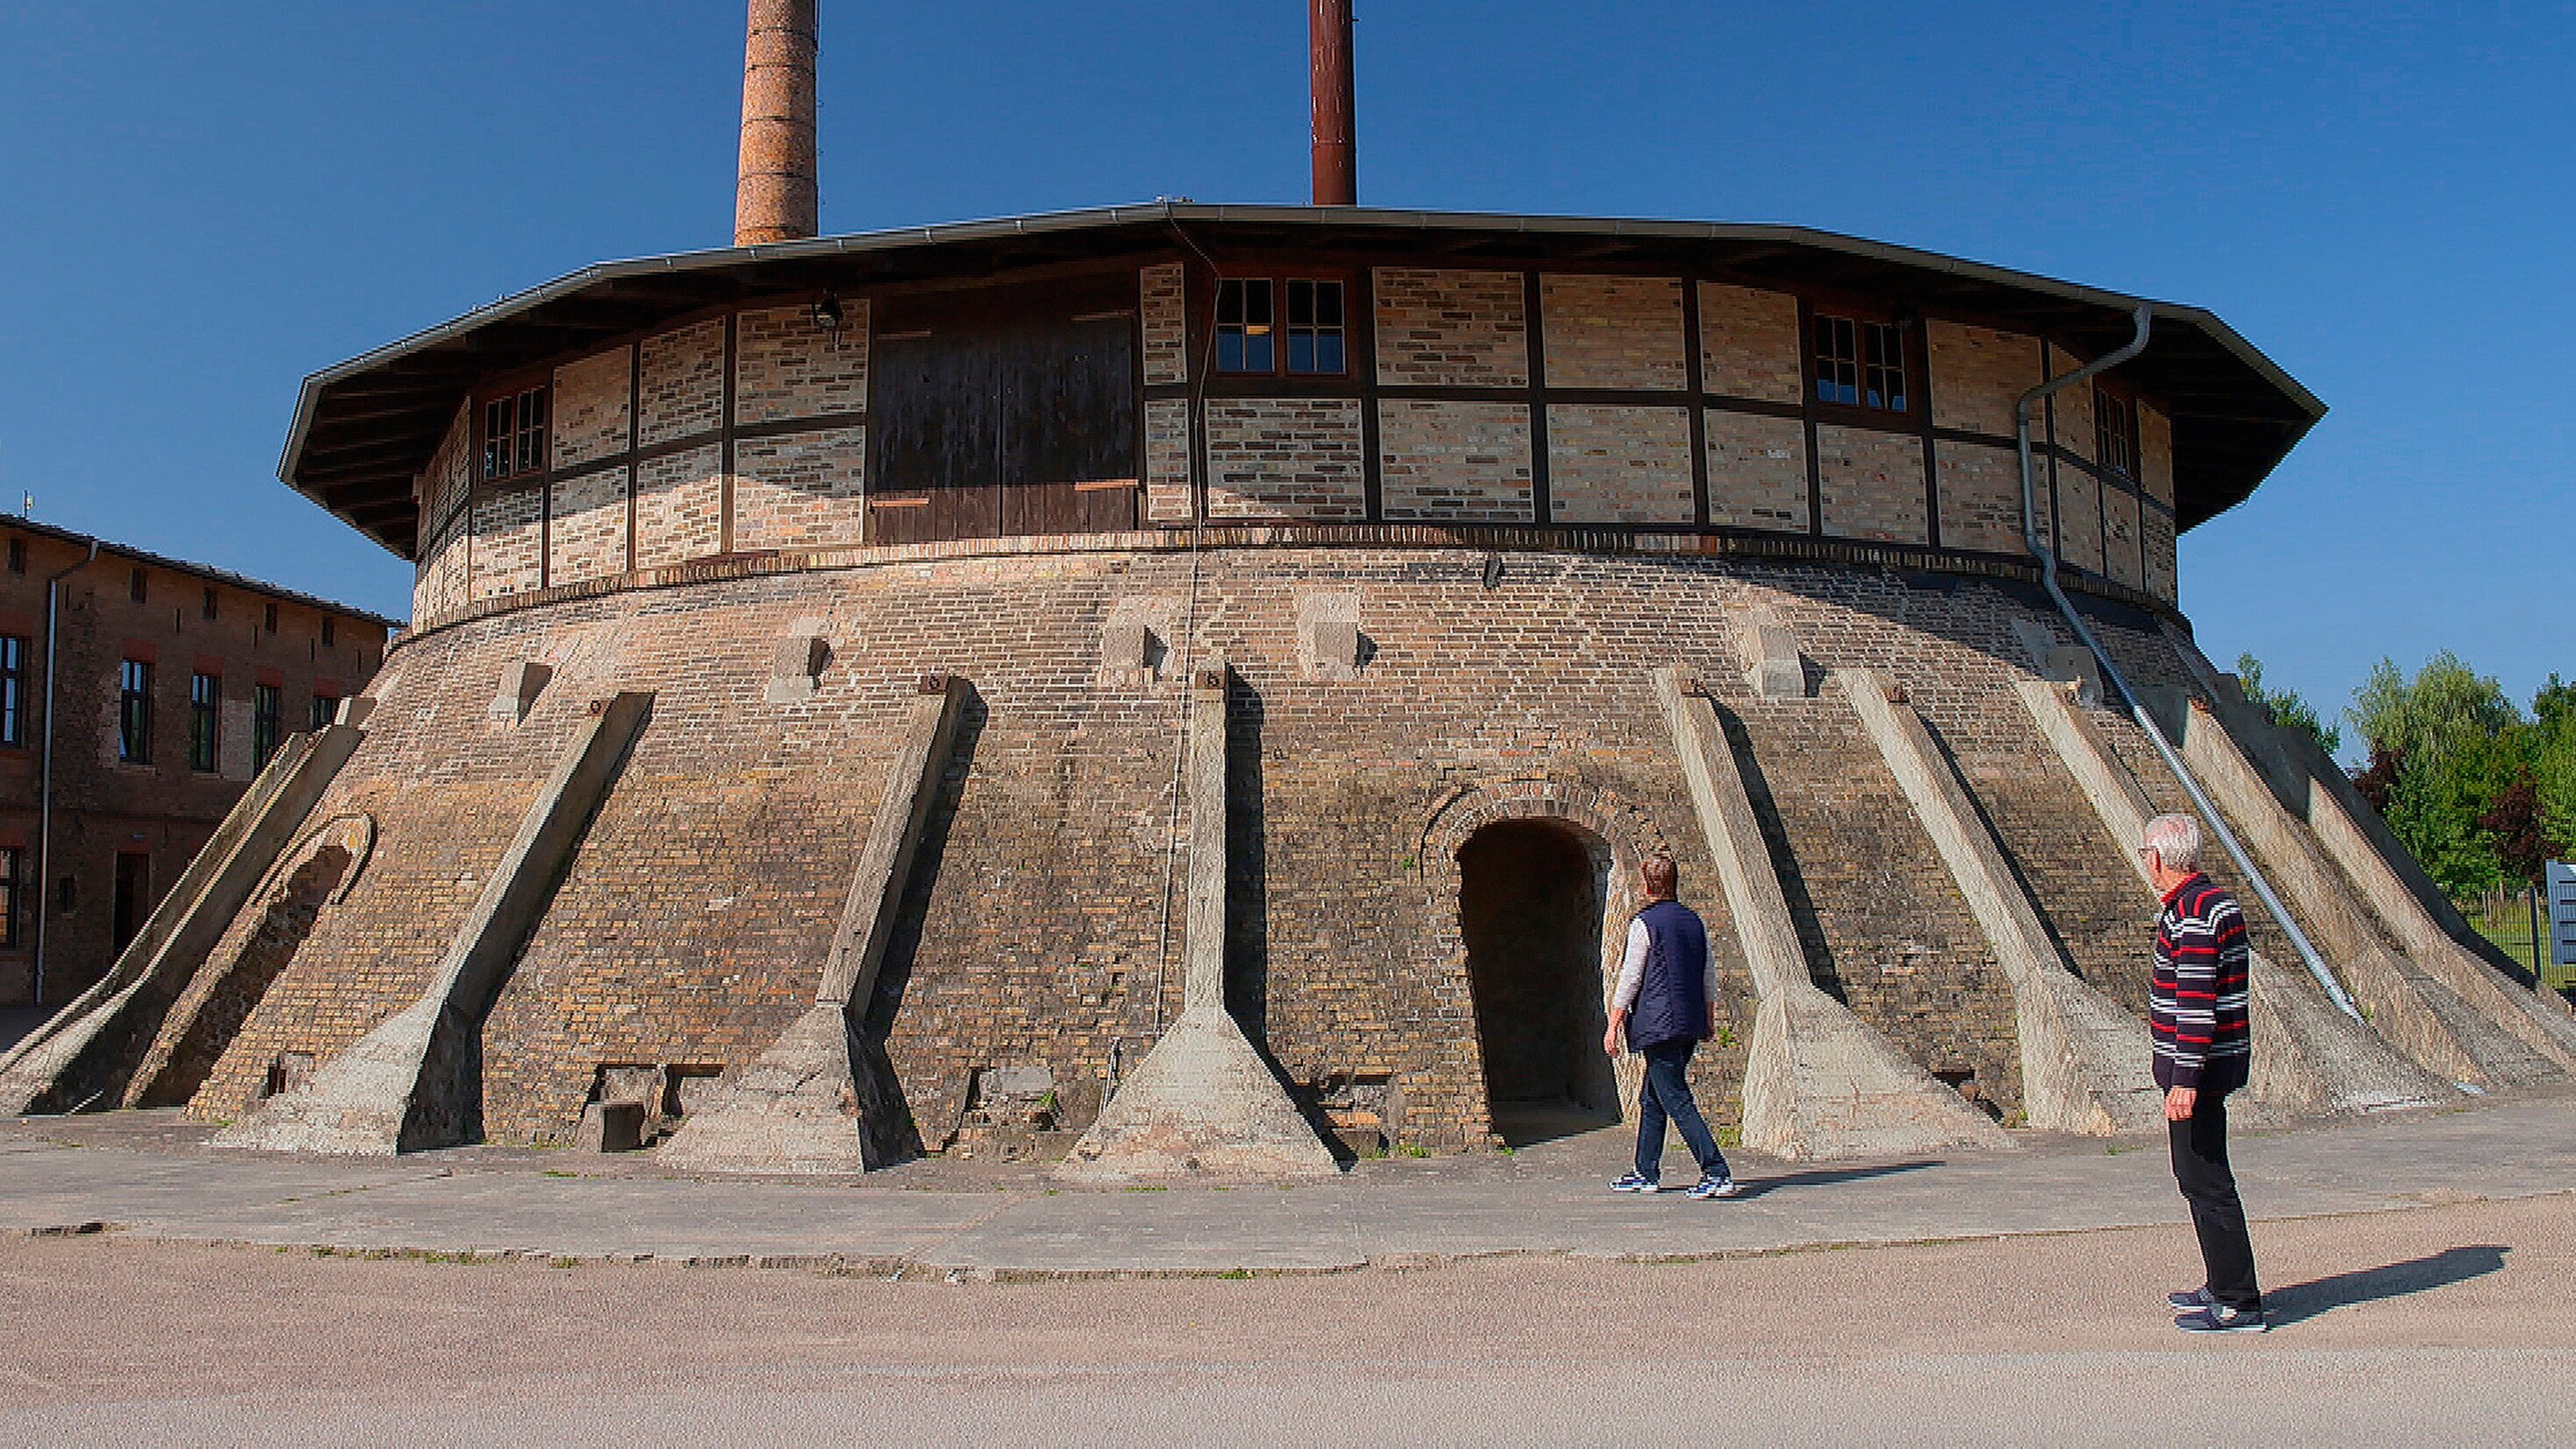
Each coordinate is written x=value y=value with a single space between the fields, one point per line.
x=1672 y=1000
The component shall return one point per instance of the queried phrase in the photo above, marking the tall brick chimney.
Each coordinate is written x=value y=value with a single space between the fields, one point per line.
x=774 y=195
x=1337 y=165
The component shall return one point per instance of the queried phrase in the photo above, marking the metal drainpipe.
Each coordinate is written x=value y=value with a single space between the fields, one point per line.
x=45 y=788
x=2200 y=800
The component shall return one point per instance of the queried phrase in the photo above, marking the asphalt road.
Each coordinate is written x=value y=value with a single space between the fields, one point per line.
x=2446 y=1324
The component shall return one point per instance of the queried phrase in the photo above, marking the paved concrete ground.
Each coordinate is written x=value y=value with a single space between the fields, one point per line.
x=147 y=1176
x=2440 y=1324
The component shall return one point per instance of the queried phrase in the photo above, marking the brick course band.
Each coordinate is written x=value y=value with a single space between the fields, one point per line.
x=1497 y=538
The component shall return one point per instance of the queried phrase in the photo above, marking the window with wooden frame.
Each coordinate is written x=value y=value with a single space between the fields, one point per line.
x=1860 y=363
x=2115 y=432
x=205 y=719
x=13 y=690
x=514 y=434
x=13 y=876
x=1305 y=338
x=326 y=708
x=266 y=708
x=134 y=711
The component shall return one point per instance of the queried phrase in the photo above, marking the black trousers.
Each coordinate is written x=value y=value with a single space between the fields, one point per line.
x=2217 y=1215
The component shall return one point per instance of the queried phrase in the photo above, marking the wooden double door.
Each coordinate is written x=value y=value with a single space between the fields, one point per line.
x=1004 y=412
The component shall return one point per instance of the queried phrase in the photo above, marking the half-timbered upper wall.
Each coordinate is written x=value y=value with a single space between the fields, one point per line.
x=1468 y=394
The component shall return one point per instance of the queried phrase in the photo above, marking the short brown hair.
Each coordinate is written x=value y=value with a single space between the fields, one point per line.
x=1660 y=873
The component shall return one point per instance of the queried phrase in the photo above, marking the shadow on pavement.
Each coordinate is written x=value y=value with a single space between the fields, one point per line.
x=2302 y=1301
x=1825 y=1177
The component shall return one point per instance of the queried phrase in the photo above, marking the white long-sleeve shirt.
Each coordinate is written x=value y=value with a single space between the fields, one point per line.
x=1632 y=969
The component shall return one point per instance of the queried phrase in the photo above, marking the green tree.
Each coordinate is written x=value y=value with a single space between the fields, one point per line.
x=2447 y=746
x=2427 y=719
x=2286 y=708
x=2553 y=766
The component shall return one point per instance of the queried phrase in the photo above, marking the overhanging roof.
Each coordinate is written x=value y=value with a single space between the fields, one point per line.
x=364 y=428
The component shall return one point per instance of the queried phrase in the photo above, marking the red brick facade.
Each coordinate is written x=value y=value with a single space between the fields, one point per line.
x=155 y=812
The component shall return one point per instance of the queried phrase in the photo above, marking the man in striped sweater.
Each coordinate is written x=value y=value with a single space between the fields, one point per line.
x=2203 y=1049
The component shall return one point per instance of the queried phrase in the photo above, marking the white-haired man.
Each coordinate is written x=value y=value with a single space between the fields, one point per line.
x=2204 y=1048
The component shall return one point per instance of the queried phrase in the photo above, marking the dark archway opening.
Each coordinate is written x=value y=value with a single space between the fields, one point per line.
x=1530 y=900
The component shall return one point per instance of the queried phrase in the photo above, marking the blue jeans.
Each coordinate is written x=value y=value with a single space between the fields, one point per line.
x=1667 y=1094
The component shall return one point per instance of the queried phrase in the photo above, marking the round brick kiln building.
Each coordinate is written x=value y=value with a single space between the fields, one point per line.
x=867 y=693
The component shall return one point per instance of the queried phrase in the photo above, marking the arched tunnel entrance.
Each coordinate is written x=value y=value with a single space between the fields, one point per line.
x=1530 y=901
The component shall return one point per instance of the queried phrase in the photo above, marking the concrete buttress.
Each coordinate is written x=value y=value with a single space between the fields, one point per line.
x=88 y=1051
x=2308 y=1055
x=1203 y=1101
x=2084 y=1060
x=822 y=1098
x=1819 y=1082
x=2446 y=1009
x=415 y=1081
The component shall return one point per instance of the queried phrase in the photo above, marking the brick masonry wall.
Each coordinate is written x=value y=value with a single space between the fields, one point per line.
x=509 y=553
x=1286 y=458
x=691 y=925
x=1293 y=459
x=1749 y=343
x=1978 y=374
x=2071 y=408
x=1872 y=484
x=1163 y=313
x=2079 y=534
x=2155 y=454
x=683 y=382
x=1980 y=489
x=1614 y=463
x=787 y=367
x=586 y=535
x=2158 y=531
x=1757 y=471
x=1454 y=460
x=1168 y=495
x=439 y=584
x=1452 y=328
x=160 y=808
x=591 y=407
x=1621 y=332
x=2120 y=541
x=679 y=503
x=805 y=490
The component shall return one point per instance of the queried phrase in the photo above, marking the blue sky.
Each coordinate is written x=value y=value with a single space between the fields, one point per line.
x=201 y=203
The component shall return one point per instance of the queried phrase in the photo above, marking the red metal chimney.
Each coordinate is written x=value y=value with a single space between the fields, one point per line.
x=1337 y=162
x=774 y=195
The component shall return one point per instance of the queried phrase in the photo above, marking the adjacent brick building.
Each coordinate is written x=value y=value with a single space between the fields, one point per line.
x=168 y=685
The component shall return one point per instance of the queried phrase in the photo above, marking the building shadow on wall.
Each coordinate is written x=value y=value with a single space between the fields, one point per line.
x=285 y=922
x=2003 y=840
x=1821 y=966
x=2301 y=1301
x=869 y=1028
x=1247 y=900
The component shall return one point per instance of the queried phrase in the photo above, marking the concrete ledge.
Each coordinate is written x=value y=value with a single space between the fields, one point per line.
x=1819 y=1083
x=90 y=1050
x=415 y=1081
x=1203 y=1101
x=2308 y=1056
x=2085 y=1062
